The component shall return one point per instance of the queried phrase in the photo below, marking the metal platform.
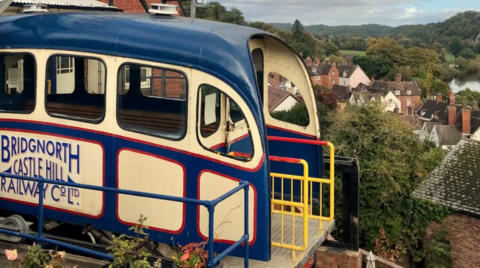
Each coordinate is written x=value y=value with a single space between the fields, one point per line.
x=282 y=258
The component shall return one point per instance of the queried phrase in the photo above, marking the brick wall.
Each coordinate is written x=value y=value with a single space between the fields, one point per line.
x=464 y=236
x=327 y=80
x=134 y=6
x=415 y=99
x=336 y=258
x=174 y=88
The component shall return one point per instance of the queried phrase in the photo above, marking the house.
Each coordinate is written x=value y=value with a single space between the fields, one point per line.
x=348 y=59
x=322 y=74
x=352 y=75
x=391 y=102
x=455 y=184
x=433 y=110
x=343 y=92
x=445 y=136
x=407 y=92
x=427 y=127
x=19 y=6
x=280 y=100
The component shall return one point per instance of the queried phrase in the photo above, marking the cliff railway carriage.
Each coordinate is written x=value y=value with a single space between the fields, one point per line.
x=168 y=106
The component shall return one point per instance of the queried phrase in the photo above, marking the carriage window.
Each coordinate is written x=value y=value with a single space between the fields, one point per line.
x=152 y=101
x=223 y=132
x=17 y=77
x=285 y=102
x=75 y=88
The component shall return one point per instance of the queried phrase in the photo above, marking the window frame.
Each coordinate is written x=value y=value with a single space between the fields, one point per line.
x=87 y=57
x=197 y=128
x=151 y=66
x=35 y=86
x=219 y=123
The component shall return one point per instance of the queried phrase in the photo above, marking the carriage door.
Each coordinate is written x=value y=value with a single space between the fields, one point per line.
x=65 y=75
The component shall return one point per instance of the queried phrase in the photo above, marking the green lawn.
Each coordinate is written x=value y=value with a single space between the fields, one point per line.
x=353 y=52
x=450 y=57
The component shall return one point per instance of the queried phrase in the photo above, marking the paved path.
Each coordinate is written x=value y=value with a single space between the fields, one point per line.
x=72 y=260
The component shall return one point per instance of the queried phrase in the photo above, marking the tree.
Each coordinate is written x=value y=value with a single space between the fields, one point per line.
x=440 y=87
x=331 y=49
x=298 y=31
x=388 y=49
x=467 y=53
x=455 y=47
x=402 y=70
x=373 y=66
x=416 y=57
x=337 y=59
x=233 y=16
x=389 y=174
x=326 y=97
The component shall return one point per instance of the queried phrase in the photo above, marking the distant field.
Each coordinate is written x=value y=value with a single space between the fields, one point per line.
x=353 y=52
x=450 y=57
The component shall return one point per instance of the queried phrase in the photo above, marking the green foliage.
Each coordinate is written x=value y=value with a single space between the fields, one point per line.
x=467 y=53
x=389 y=174
x=455 y=47
x=298 y=115
x=217 y=12
x=192 y=255
x=406 y=76
x=440 y=87
x=388 y=49
x=127 y=251
x=438 y=251
x=331 y=49
x=354 y=52
x=468 y=96
x=298 y=31
x=36 y=257
x=373 y=66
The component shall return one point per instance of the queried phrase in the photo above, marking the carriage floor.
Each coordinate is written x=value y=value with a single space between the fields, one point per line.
x=282 y=258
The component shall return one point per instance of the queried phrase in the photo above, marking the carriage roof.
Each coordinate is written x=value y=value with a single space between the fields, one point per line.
x=216 y=48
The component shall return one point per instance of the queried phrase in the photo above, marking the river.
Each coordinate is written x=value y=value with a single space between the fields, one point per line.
x=471 y=81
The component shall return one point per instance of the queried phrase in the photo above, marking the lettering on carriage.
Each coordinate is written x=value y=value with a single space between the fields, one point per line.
x=41 y=158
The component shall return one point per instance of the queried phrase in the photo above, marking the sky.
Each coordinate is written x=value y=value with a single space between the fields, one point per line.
x=351 y=12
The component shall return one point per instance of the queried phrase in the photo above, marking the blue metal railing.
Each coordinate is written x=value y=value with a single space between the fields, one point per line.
x=210 y=205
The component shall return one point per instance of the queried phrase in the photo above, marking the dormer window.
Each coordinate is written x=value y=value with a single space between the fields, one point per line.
x=314 y=69
x=345 y=74
x=409 y=92
x=397 y=92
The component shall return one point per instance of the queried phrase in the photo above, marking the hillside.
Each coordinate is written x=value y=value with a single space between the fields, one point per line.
x=463 y=26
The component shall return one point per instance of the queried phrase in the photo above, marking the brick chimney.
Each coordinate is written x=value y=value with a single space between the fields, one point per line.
x=451 y=98
x=439 y=97
x=466 y=121
x=309 y=61
x=398 y=78
x=452 y=115
x=316 y=61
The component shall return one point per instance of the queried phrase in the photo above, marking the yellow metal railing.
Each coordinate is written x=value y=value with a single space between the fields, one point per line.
x=305 y=206
x=302 y=205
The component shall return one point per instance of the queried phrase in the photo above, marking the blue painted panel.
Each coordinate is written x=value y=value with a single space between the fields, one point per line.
x=308 y=152
x=259 y=250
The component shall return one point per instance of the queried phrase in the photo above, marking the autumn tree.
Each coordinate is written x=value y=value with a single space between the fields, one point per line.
x=387 y=48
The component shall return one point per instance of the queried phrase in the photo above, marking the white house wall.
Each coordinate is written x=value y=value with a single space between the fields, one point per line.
x=358 y=77
x=286 y=104
x=390 y=106
x=476 y=135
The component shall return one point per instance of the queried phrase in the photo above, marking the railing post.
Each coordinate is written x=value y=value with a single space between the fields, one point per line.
x=247 y=238
x=40 y=213
x=211 y=211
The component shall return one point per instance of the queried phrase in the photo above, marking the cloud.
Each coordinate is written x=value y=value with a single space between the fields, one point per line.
x=343 y=12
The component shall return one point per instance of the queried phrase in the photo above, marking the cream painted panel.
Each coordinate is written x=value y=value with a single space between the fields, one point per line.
x=231 y=210
x=280 y=59
x=139 y=171
x=54 y=158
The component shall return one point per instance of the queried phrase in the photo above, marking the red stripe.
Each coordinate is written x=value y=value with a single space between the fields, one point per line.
x=321 y=143
x=215 y=147
x=284 y=159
